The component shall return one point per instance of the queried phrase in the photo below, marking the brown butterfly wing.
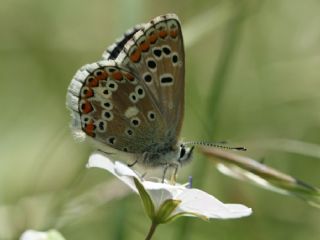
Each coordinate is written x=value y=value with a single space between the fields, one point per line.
x=110 y=106
x=156 y=55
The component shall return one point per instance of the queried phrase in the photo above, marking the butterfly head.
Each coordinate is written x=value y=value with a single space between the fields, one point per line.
x=185 y=154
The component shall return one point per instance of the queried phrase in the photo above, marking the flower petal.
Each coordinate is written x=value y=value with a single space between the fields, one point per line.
x=160 y=192
x=120 y=170
x=198 y=202
x=36 y=235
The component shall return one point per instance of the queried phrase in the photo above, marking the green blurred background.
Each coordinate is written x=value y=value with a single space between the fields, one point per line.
x=252 y=77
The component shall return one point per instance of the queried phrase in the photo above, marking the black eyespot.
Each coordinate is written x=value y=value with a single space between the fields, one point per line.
x=101 y=125
x=98 y=73
x=111 y=140
x=85 y=91
x=112 y=85
x=135 y=122
x=134 y=97
x=157 y=52
x=107 y=104
x=107 y=114
x=106 y=92
x=174 y=58
x=151 y=64
x=166 y=50
x=166 y=79
x=140 y=91
x=151 y=115
x=148 y=78
x=129 y=132
x=125 y=149
x=86 y=119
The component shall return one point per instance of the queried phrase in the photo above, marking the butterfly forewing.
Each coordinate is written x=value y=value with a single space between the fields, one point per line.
x=156 y=55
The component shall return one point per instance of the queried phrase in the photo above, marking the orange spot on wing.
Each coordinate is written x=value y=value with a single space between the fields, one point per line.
x=135 y=56
x=86 y=107
x=173 y=33
x=89 y=128
x=153 y=38
x=163 y=34
x=104 y=75
x=129 y=77
x=89 y=93
x=117 y=75
x=93 y=82
x=144 y=46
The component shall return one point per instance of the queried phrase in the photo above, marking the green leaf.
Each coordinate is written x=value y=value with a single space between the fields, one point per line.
x=146 y=199
x=166 y=209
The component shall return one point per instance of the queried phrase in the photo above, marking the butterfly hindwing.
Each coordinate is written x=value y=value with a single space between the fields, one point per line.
x=111 y=107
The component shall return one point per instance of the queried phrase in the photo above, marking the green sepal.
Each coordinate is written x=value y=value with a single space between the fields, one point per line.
x=166 y=209
x=146 y=199
x=187 y=214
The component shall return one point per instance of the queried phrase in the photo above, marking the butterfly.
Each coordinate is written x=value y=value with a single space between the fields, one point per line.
x=131 y=102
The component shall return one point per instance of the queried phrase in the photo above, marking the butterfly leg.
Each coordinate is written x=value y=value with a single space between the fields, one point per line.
x=175 y=173
x=165 y=169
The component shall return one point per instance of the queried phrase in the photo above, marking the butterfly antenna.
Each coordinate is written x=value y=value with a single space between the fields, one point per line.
x=216 y=145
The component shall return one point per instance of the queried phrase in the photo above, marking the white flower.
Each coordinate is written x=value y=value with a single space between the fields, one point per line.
x=164 y=202
x=36 y=235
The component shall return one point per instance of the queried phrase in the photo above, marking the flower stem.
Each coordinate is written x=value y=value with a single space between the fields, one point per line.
x=151 y=230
